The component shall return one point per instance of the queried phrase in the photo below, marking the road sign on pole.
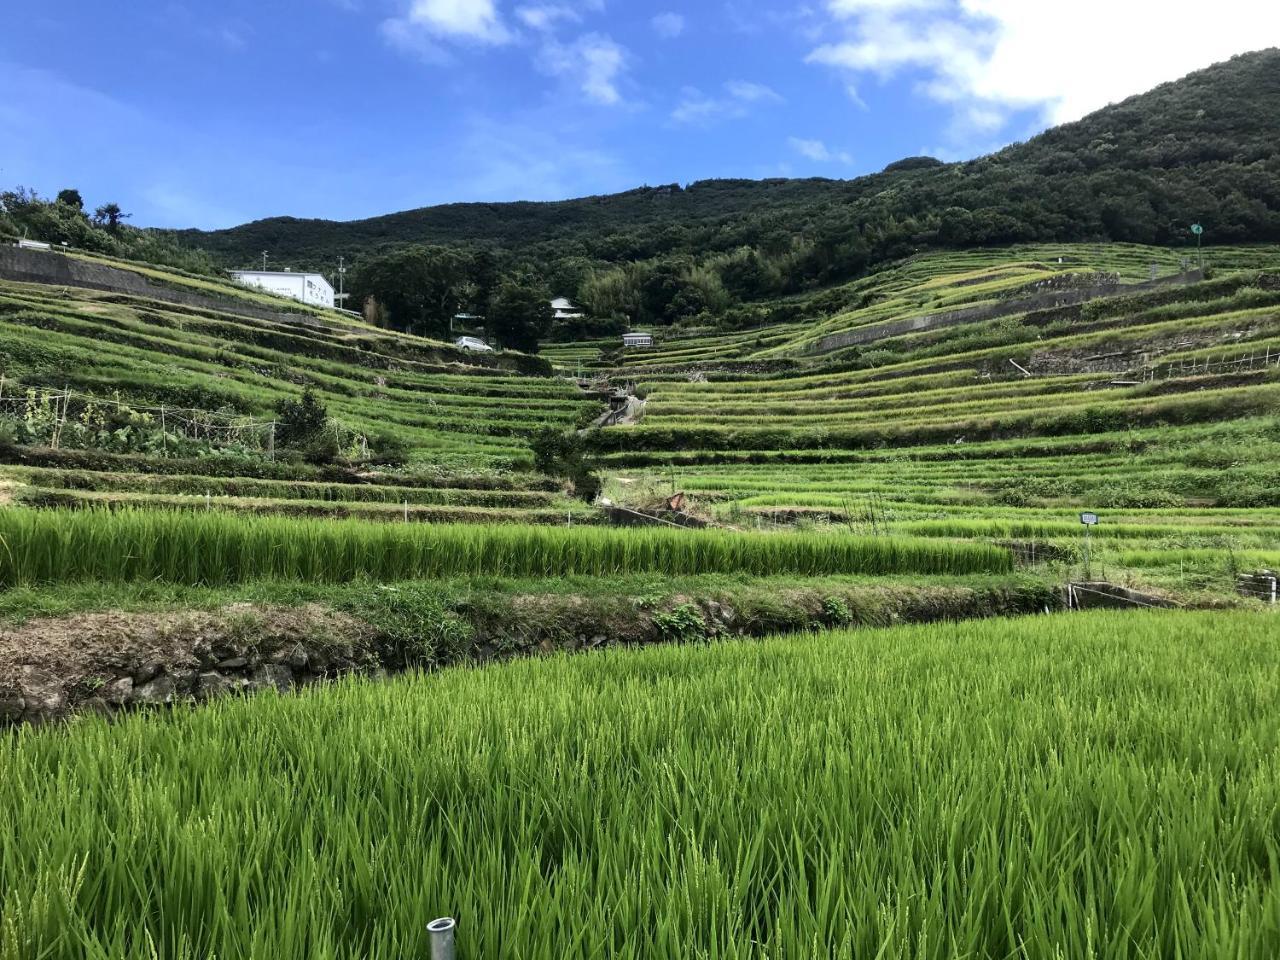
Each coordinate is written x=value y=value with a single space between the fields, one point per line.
x=1198 y=230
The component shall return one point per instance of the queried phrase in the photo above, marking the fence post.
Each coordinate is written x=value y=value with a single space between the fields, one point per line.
x=66 y=404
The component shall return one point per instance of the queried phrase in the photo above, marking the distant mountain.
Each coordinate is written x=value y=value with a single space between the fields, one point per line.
x=1199 y=149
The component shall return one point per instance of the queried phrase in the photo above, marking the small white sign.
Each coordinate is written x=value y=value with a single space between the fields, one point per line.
x=1089 y=519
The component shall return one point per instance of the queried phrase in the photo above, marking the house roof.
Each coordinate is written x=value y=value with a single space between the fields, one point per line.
x=277 y=273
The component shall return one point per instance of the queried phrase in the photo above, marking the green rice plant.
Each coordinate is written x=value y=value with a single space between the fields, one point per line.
x=214 y=548
x=1091 y=785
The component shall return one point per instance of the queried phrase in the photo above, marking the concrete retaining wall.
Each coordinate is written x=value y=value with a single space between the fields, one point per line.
x=58 y=269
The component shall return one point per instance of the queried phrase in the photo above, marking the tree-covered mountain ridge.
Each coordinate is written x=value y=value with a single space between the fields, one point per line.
x=732 y=254
x=1200 y=148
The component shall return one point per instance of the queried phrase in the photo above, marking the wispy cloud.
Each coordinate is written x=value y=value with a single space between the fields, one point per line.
x=233 y=36
x=594 y=63
x=668 y=25
x=736 y=100
x=819 y=152
x=546 y=157
x=545 y=16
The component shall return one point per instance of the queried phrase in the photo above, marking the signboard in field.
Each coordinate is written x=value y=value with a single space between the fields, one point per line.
x=1089 y=519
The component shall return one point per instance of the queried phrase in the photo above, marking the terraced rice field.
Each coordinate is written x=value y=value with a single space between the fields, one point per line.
x=464 y=422
x=154 y=352
x=1160 y=409
x=1068 y=786
x=930 y=283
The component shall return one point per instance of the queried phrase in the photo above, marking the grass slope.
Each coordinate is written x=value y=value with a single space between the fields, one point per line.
x=1098 y=785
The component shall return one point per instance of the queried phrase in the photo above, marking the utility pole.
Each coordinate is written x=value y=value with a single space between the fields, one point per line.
x=264 y=261
x=342 y=276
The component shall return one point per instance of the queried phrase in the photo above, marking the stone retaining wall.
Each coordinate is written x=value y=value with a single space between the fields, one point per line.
x=113 y=662
x=1045 y=301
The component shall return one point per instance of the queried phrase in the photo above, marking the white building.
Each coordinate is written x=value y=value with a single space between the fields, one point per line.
x=309 y=288
x=562 y=308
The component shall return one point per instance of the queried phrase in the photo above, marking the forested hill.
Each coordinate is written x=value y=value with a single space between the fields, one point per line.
x=1202 y=148
x=736 y=253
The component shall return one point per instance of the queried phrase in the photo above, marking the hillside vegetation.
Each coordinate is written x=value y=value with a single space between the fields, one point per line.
x=1142 y=171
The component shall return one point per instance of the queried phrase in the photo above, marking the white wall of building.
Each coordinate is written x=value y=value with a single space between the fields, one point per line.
x=309 y=288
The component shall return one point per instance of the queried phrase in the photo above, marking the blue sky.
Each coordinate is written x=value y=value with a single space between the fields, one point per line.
x=211 y=114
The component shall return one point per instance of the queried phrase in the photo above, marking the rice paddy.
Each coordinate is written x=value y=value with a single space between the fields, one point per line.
x=215 y=548
x=1158 y=409
x=1071 y=786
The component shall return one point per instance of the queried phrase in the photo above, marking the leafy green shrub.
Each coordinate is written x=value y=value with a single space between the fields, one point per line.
x=684 y=624
x=563 y=454
x=418 y=627
x=390 y=449
x=322 y=448
x=300 y=421
x=8 y=435
x=836 y=611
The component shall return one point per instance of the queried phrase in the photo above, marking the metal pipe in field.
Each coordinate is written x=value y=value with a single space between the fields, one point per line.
x=441 y=932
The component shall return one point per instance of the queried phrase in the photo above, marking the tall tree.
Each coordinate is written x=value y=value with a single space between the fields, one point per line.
x=71 y=198
x=417 y=288
x=110 y=215
x=520 y=313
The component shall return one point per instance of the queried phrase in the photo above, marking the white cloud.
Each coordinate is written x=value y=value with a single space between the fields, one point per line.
x=853 y=8
x=994 y=56
x=851 y=91
x=696 y=107
x=748 y=92
x=593 y=62
x=233 y=36
x=818 y=151
x=545 y=16
x=402 y=36
x=425 y=23
x=668 y=25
